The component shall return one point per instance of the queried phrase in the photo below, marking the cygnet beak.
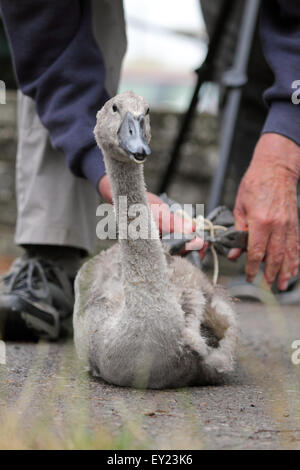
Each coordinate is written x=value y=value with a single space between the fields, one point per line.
x=132 y=137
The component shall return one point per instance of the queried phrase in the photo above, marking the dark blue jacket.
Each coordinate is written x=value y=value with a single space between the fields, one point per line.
x=59 y=65
x=280 y=35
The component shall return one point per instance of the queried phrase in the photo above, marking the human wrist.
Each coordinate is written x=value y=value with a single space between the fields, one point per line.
x=104 y=189
x=280 y=153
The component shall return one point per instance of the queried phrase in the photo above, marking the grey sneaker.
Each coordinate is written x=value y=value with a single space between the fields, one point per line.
x=36 y=300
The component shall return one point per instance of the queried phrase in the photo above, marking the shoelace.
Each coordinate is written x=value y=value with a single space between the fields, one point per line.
x=32 y=275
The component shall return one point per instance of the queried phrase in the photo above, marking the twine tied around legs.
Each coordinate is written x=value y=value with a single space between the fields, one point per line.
x=201 y=224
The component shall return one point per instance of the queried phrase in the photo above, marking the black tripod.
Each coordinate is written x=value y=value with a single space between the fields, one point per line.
x=233 y=80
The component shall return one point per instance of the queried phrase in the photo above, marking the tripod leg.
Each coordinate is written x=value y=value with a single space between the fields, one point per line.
x=237 y=76
x=204 y=74
x=175 y=154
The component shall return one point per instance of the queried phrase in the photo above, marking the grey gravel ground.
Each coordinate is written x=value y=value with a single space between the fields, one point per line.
x=45 y=399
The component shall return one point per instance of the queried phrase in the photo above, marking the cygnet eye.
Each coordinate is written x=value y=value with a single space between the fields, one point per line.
x=115 y=108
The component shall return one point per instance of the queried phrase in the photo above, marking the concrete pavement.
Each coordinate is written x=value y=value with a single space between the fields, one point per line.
x=47 y=401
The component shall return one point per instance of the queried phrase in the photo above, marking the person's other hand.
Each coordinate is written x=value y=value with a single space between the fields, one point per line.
x=266 y=204
x=166 y=221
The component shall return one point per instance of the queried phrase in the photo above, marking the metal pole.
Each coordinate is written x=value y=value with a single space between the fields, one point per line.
x=234 y=79
x=204 y=74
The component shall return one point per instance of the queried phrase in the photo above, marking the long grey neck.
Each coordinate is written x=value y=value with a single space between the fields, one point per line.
x=143 y=262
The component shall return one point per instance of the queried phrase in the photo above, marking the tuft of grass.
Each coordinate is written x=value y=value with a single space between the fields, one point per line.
x=56 y=419
x=44 y=435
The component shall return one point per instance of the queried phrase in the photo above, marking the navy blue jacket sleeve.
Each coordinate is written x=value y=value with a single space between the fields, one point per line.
x=280 y=34
x=59 y=65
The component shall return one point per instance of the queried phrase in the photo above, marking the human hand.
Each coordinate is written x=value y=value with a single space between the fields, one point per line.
x=266 y=204
x=166 y=221
x=104 y=189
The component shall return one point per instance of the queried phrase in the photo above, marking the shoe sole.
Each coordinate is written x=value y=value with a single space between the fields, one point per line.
x=39 y=320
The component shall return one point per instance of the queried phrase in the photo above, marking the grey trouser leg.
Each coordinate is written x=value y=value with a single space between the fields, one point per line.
x=54 y=206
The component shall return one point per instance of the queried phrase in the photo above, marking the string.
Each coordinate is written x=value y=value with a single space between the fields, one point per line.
x=207 y=225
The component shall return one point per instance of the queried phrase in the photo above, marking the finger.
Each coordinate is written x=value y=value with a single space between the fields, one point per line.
x=257 y=244
x=274 y=253
x=167 y=221
x=181 y=225
x=195 y=244
x=290 y=265
x=234 y=254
